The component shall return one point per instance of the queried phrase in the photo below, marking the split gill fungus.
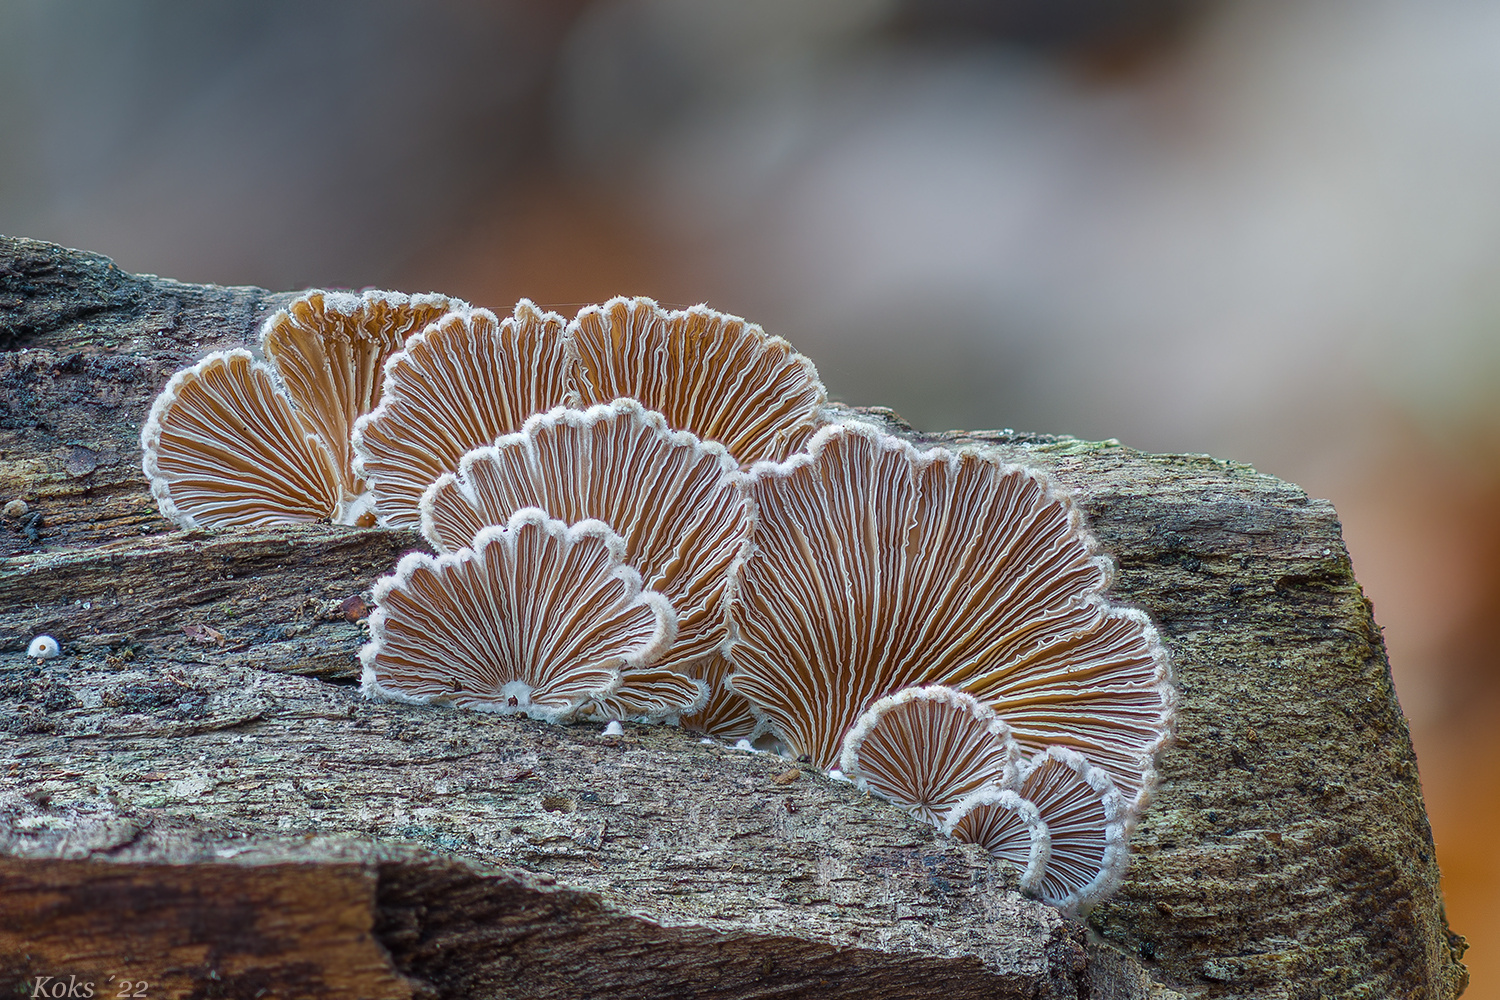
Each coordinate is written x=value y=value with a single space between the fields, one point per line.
x=926 y=748
x=458 y=385
x=675 y=500
x=1064 y=816
x=925 y=618
x=715 y=375
x=470 y=379
x=237 y=441
x=877 y=566
x=535 y=617
x=655 y=515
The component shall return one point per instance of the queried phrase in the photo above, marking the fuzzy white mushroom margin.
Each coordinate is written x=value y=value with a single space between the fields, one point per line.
x=1021 y=811
x=151 y=430
x=640 y=655
x=1116 y=814
x=346 y=304
x=1165 y=720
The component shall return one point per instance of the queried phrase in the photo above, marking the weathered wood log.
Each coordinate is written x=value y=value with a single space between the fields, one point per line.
x=194 y=795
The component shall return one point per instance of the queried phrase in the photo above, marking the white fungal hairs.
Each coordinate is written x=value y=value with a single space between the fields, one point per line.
x=876 y=566
x=654 y=515
x=233 y=441
x=538 y=618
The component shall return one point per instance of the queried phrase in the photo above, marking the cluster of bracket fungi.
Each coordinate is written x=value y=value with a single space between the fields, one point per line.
x=656 y=516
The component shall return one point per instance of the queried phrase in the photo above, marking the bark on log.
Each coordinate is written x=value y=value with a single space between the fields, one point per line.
x=195 y=796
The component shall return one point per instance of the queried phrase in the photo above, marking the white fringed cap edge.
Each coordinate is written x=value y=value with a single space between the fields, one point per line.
x=993 y=725
x=151 y=430
x=1053 y=491
x=568 y=416
x=661 y=639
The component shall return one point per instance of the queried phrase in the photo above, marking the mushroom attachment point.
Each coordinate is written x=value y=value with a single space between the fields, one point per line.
x=236 y=441
x=875 y=566
x=926 y=748
x=458 y=385
x=537 y=618
x=1085 y=821
x=715 y=375
x=673 y=499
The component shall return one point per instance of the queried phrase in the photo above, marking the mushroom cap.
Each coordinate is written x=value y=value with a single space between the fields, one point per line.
x=224 y=446
x=536 y=618
x=43 y=647
x=330 y=349
x=726 y=715
x=1085 y=817
x=715 y=375
x=926 y=748
x=1007 y=826
x=875 y=566
x=650 y=694
x=673 y=499
x=460 y=384
x=233 y=441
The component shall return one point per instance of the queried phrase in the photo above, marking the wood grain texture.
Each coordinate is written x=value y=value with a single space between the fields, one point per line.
x=195 y=791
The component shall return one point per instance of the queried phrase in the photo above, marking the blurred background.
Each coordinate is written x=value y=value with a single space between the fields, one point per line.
x=1265 y=230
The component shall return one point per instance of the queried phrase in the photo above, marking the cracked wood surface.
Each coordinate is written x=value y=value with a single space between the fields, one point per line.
x=195 y=792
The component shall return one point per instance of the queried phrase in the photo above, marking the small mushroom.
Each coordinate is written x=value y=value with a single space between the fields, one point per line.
x=43 y=647
x=460 y=384
x=876 y=566
x=673 y=499
x=650 y=694
x=726 y=714
x=224 y=446
x=537 y=618
x=235 y=441
x=1085 y=819
x=1006 y=825
x=717 y=376
x=926 y=748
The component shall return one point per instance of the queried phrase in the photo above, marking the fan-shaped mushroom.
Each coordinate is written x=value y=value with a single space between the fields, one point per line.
x=726 y=714
x=876 y=566
x=673 y=498
x=717 y=376
x=537 y=618
x=1085 y=820
x=1008 y=826
x=460 y=384
x=234 y=441
x=926 y=748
